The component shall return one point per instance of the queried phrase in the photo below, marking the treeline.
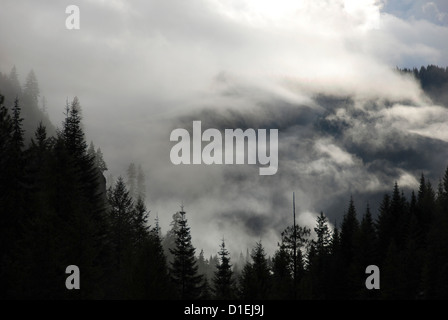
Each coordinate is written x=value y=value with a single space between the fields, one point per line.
x=433 y=80
x=34 y=107
x=56 y=211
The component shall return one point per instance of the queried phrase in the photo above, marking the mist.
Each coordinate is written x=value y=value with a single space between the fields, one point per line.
x=321 y=72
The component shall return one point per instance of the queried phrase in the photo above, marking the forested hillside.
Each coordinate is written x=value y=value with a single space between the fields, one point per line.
x=56 y=211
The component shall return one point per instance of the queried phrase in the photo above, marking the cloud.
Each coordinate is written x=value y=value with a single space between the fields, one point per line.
x=322 y=72
x=434 y=11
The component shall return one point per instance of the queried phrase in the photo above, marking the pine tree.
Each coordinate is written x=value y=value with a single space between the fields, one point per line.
x=140 y=221
x=122 y=235
x=296 y=239
x=425 y=206
x=435 y=275
x=14 y=80
x=99 y=161
x=14 y=166
x=121 y=217
x=17 y=133
x=349 y=231
x=349 y=237
x=41 y=137
x=398 y=216
x=73 y=133
x=367 y=240
x=169 y=241
x=223 y=282
x=5 y=216
x=184 y=269
x=445 y=191
x=91 y=149
x=318 y=259
x=32 y=88
x=255 y=281
x=151 y=280
x=203 y=264
x=384 y=227
x=365 y=249
x=282 y=274
x=323 y=235
x=335 y=280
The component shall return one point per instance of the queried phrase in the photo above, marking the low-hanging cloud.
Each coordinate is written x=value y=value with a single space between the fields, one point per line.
x=322 y=72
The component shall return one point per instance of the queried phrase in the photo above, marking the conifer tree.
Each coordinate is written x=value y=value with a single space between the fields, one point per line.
x=349 y=231
x=398 y=216
x=32 y=88
x=425 y=206
x=384 y=227
x=255 y=281
x=323 y=235
x=99 y=161
x=17 y=133
x=445 y=190
x=365 y=251
x=122 y=218
x=140 y=220
x=5 y=217
x=14 y=174
x=73 y=133
x=169 y=241
x=184 y=269
x=14 y=80
x=282 y=274
x=318 y=259
x=122 y=237
x=91 y=149
x=367 y=240
x=223 y=282
x=349 y=237
x=203 y=264
x=151 y=278
x=296 y=239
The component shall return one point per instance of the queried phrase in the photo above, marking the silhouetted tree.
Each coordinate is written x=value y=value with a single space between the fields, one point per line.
x=349 y=237
x=296 y=239
x=349 y=232
x=282 y=274
x=223 y=282
x=318 y=259
x=32 y=91
x=255 y=281
x=184 y=269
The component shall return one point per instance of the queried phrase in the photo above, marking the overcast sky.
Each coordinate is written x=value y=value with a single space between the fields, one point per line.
x=142 y=68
